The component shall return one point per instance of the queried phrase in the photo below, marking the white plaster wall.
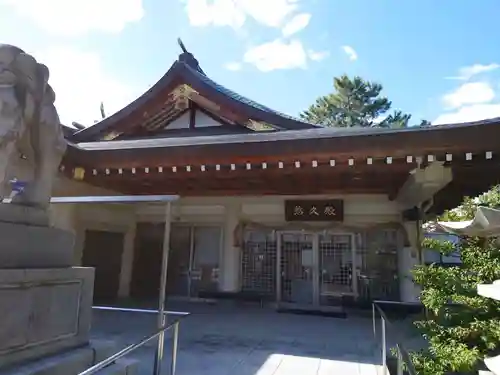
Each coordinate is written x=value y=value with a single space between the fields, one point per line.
x=107 y=217
x=180 y=123
x=201 y=120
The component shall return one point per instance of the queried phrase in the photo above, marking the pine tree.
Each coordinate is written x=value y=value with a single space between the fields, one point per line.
x=355 y=102
x=459 y=337
x=397 y=119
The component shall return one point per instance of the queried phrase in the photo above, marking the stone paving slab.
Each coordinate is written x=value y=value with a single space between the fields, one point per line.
x=222 y=340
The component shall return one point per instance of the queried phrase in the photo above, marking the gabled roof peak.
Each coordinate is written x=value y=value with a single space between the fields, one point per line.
x=188 y=58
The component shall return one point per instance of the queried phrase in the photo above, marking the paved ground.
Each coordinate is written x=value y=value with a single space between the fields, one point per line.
x=248 y=340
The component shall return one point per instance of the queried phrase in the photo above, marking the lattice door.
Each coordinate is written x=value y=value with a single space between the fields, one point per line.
x=258 y=263
x=335 y=265
x=297 y=268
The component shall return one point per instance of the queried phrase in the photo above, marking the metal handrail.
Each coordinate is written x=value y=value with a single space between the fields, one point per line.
x=403 y=358
x=127 y=350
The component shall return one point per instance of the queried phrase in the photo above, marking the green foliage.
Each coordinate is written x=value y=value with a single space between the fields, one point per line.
x=397 y=119
x=354 y=102
x=459 y=335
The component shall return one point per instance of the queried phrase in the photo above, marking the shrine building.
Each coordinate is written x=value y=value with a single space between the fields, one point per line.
x=269 y=206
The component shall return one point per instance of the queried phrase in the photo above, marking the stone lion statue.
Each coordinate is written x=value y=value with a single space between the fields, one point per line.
x=32 y=143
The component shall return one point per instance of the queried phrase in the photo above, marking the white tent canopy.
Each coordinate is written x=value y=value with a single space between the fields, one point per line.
x=486 y=223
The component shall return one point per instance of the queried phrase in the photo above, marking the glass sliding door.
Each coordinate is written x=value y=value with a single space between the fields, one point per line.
x=315 y=270
x=194 y=260
x=180 y=260
x=206 y=246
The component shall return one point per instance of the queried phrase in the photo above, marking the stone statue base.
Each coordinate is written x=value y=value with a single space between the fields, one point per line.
x=19 y=214
x=43 y=311
x=26 y=243
x=45 y=304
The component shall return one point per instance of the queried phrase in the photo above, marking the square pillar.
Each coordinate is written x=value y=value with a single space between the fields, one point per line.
x=230 y=262
x=127 y=262
x=407 y=260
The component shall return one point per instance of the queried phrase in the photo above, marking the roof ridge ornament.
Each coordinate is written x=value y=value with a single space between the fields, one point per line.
x=188 y=58
x=181 y=44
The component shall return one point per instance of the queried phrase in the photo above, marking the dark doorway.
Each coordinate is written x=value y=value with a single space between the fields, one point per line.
x=148 y=250
x=103 y=251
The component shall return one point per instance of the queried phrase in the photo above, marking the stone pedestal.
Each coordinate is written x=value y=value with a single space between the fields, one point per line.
x=43 y=311
x=45 y=304
x=28 y=246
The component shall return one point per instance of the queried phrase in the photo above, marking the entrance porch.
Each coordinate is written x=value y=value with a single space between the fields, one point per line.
x=244 y=248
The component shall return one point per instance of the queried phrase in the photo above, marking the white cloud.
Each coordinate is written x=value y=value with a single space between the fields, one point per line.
x=350 y=52
x=277 y=55
x=296 y=24
x=467 y=72
x=234 y=66
x=469 y=93
x=75 y=18
x=219 y=13
x=474 y=112
x=234 y=13
x=317 y=55
x=81 y=83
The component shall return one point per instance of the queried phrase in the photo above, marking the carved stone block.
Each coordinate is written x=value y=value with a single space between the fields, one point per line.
x=28 y=246
x=15 y=213
x=43 y=311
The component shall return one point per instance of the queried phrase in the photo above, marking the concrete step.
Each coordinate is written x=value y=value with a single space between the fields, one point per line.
x=74 y=361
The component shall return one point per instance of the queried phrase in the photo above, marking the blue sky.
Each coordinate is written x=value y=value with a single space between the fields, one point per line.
x=438 y=60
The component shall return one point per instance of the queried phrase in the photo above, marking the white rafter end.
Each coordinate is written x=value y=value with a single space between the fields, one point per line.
x=133 y=170
x=249 y=166
x=264 y=165
x=188 y=168
x=409 y=159
x=146 y=170
x=389 y=160
x=430 y=158
x=314 y=163
x=350 y=162
x=449 y=157
x=94 y=172
x=369 y=161
x=468 y=156
x=233 y=167
x=120 y=171
x=174 y=169
x=107 y=171
x=332 y=163
x=160 y=169
x=297 y=164
x=280 y=164
x=489 y=155
x=217 y=167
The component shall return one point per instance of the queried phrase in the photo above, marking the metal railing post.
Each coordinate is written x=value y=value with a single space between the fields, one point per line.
x=400 y=361
x=162 y=319
x=175 y=345
x=374 y=321
x=384 y=348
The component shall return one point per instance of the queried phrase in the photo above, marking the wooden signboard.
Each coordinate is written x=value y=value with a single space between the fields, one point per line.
x=314 y=210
